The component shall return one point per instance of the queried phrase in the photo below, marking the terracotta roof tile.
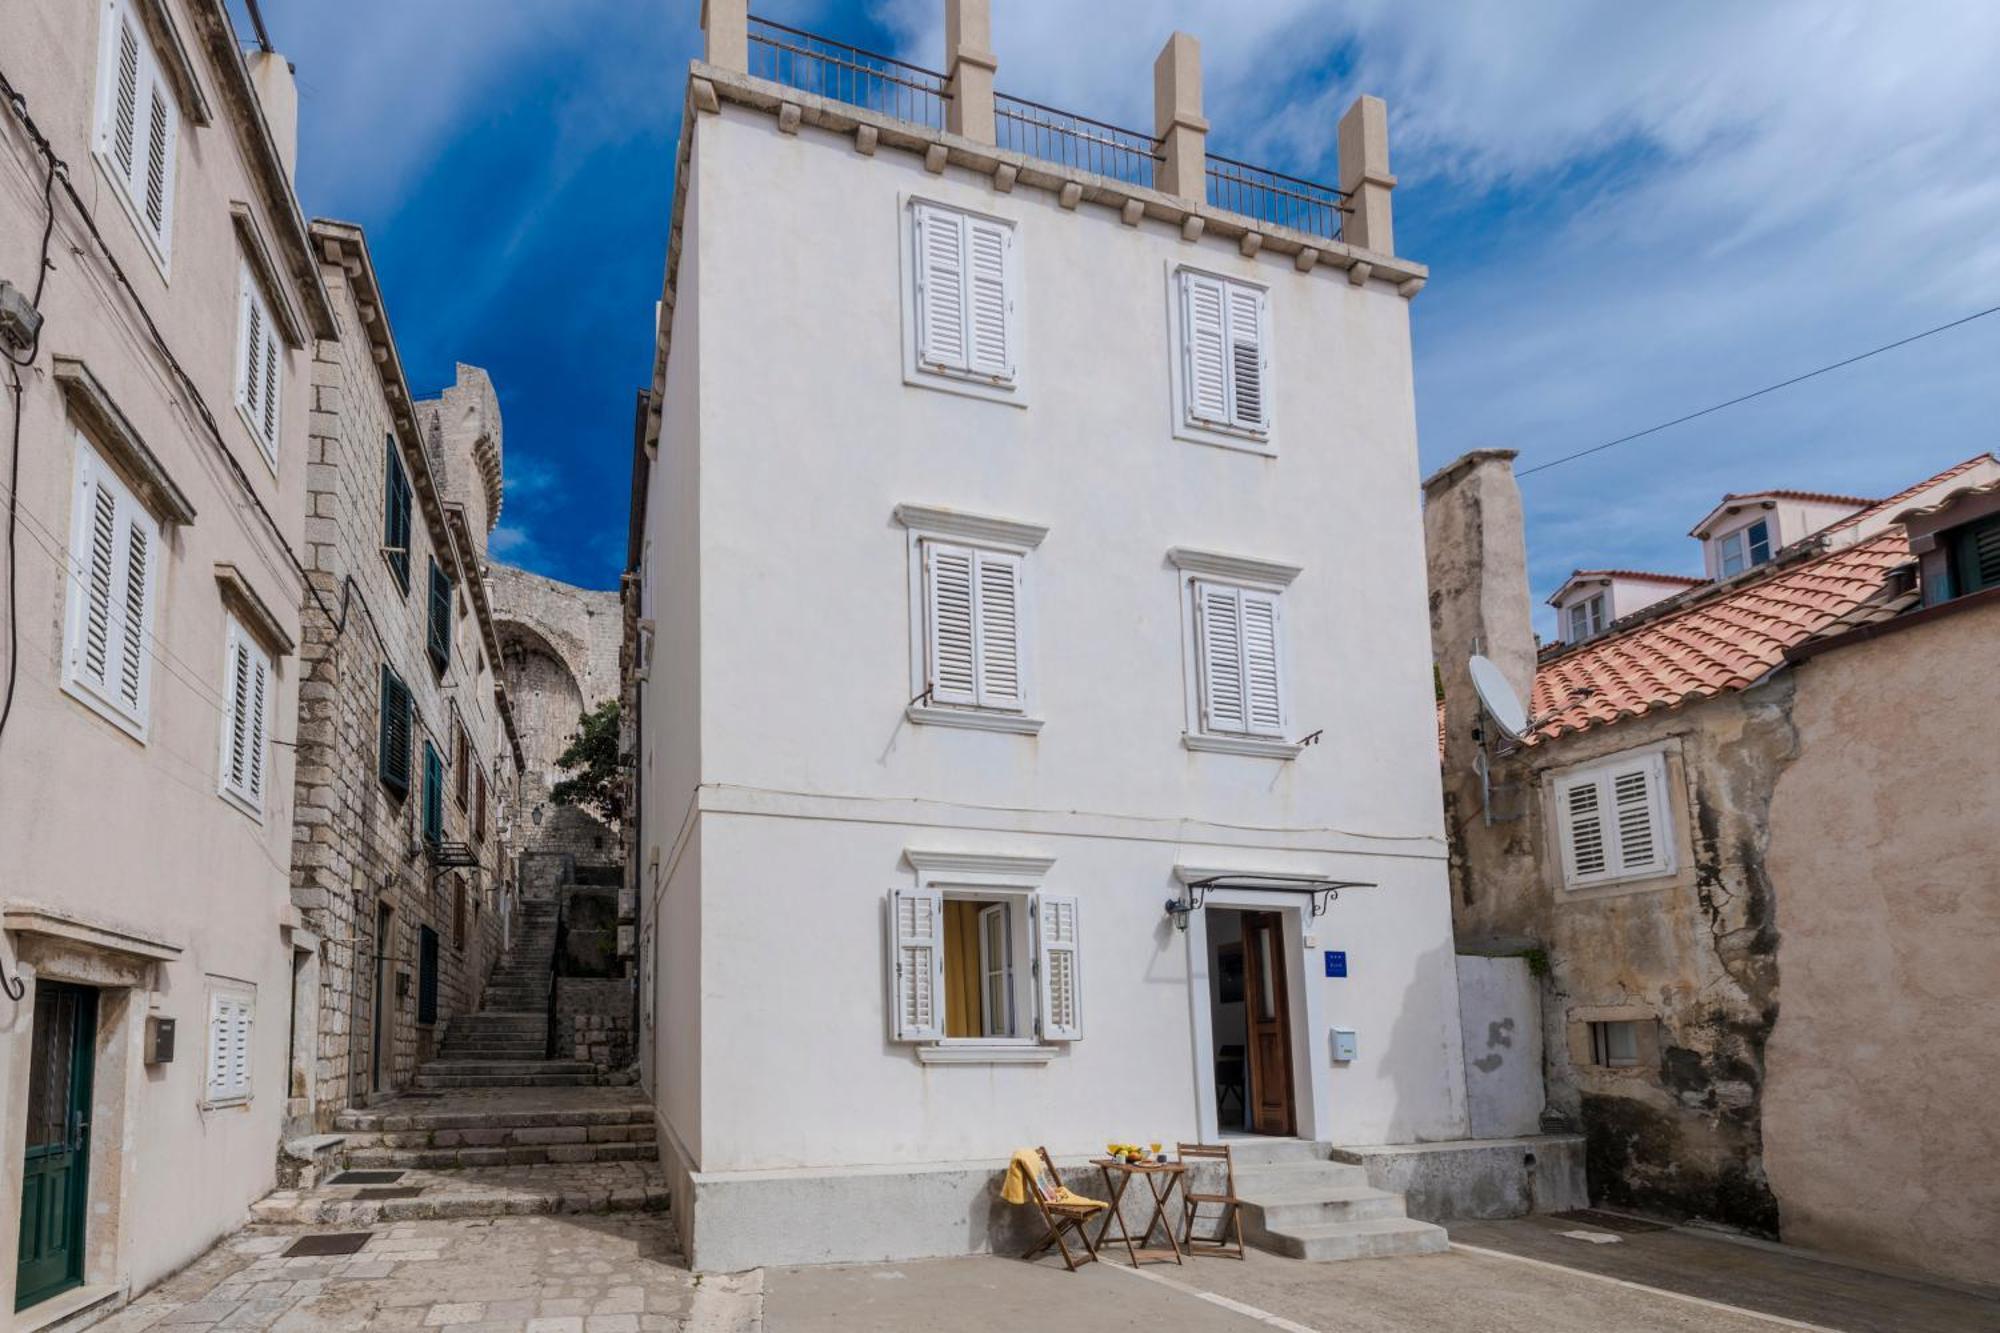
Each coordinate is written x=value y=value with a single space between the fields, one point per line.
x=1689 y=579
x=1903 y=497
x=1811 y=497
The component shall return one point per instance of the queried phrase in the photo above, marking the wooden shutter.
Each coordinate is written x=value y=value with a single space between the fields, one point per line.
x=1580 y=810
x=941 y=296
x=1249 y=408
x=257 y=371
x=952 y=651
x=1219 y=657
x=246 y=692
x=440 y=619
x=140 y=125
x=1057 y=970
x=396 y=514
x=1638 y=803
x=1263 y=682
x=433 y=794
x=230 y=1022
x=1613 y=823
x=1204 y=354
x=123 y=128
x=998 y=590
x=916 y=963
x=990 y=307
x=113 y=549
x=393 y=761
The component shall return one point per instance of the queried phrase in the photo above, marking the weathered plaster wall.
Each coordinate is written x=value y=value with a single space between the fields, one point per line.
x=1500 y=1016
x=1880 y=1114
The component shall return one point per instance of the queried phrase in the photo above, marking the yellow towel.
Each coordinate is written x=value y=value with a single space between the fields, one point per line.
x=1024 y=1173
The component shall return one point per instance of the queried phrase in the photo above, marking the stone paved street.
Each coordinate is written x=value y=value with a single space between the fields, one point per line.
x=618 y=1274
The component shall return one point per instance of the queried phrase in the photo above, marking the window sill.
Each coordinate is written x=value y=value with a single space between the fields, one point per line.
x=1652 y=879
x=971 y=386
x=973 y=719
x=986 y=1053
x=256 y=438
x=158 y=249
x=1257 y=747
x=243 y=803
x=1242 y=442
x=110 y=712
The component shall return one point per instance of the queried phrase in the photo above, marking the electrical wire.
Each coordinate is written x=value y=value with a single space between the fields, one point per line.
x=1757 y=393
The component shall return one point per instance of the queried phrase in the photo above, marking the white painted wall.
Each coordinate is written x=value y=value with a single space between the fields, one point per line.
x=789 y=438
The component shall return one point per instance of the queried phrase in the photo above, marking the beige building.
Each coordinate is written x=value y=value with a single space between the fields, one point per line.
x=407 y=753
x=1750 y=830
x=157 y=472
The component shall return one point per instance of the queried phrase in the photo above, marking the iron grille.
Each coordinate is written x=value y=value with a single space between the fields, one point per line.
x=843 y=73
x=1274 y=198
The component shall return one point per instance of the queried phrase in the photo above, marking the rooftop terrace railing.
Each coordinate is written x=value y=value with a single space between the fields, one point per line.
x=1076 y=141
x=1275 y=198
x=847 y=74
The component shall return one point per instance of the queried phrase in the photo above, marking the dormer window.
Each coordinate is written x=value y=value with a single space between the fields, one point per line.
x=1586 y=618
x=1745 y=548
x=1975 y=557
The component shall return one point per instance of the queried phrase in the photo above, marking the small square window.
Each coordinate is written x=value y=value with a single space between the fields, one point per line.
x=1586 y=619
x=1615 y=1045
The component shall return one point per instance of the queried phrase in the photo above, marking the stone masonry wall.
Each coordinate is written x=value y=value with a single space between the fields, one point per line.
x=596 y=1015
x=356 y=842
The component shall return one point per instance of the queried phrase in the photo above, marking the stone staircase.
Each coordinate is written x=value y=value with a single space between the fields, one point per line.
x=505 y=1044
x=1298 y=1202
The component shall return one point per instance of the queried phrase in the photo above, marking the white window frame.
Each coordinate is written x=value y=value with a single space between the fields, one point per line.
x=1188 y=424
x=1008 y=388
x=259 y=392
x=1740 y=534
x=229 y=1014
x=1604 y=775
x=927 y=524
x=1016 y=881
x=1593 y=624
x=93 y=474
x=246 y=793
x=151 y=83
x=1267 y=578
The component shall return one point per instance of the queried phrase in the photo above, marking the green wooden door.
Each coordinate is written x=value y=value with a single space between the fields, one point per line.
x=56 y=1181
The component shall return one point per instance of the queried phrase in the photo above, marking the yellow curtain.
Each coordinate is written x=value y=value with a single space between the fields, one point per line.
x=961 y=969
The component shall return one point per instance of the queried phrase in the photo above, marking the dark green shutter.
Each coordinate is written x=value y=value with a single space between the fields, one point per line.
x=396 y=515
x=392 y=762
x=440 y=627
x=1976 y=557
x=433 y=795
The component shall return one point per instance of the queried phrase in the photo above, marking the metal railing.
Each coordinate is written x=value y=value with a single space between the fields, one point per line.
x=1275 y=198
x=847 y=74
x=1074 y=141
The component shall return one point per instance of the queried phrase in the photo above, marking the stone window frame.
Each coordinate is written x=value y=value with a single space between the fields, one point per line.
x=1647 y=1023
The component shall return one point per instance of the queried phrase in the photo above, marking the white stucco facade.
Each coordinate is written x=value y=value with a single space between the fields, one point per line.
x=791 y=783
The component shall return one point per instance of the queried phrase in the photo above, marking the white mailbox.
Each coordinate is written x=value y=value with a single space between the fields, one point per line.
x=1343 y=1045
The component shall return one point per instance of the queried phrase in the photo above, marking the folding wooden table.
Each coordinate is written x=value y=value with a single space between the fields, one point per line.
x=1161 y=1179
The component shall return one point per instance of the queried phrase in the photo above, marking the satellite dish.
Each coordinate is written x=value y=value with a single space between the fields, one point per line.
x=1502 y=704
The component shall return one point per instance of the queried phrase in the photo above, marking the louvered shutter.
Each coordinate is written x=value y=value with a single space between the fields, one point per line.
x=941 y=296
x=393 y=762
x=139 y=125
x=1580 y=811
x=396 y=513
x=1219 y=654
x=113 y=550
x=990 y=308
x=260 y=686
x=916 y=963
x=158 y=184
x=1059 y=974
x=230 y=1023
x=1263 y=682
x=100 y=572
x=267 y=419
x=123 y=124
x=999 y=621
x=1638 y=802
x=1204 y=354
x=1249 y=408
x=952 y=651
x=440 y=619
x=433 y=794
x=236 y=718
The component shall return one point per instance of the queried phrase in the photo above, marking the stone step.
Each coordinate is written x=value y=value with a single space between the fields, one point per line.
x=498 y=1109
x=498 y=1136
x=1299 y=1175
x=493 y=1049
x=1264 y=1150
x=438 y=1081
x=1290 y=1211
x=506 y=1067
x=1372 y=1238
x=598 y=1187
x=452 y=1159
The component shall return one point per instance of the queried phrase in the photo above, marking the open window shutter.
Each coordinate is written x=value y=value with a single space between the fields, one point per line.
x=124 y=120
x=260 y=685
x=236 y=740
x=1061 y=1011
x=1580 y=818
x=251 y=372
x=135 y=606
x=916 y=963
x=999 y=596
x=1248 y=405
x=1263 y=685
x=952 y=653
x=941 y=289
x=161 y=131
x=1219 y=635
x=1205 y=364
x=220 y=1021
x=97 y=566
x=239 y=1049
x=990 y=340
x=1638 y=796
x=268 y=419
x=394 y=763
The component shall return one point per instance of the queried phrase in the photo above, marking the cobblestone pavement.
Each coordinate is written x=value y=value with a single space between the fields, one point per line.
x=615 y=1274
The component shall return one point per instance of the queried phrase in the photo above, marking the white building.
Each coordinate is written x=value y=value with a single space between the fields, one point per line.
x=1028 y=541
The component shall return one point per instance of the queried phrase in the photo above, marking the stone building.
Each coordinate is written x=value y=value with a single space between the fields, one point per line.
x=1736 y=829
x=156 y=419
x=407 y=753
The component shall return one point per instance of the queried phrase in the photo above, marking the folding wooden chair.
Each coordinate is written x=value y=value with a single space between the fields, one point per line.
x=1227 y=1223
x=1061 y=1217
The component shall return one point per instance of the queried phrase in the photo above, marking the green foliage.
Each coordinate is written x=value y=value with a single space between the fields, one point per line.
x=1538 y=960
x=597 y=783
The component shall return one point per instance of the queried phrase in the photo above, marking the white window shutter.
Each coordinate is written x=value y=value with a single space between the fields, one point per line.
x=218 y=1046
x=1263 y=681
x=990 y=306
x=1059 y=972
x=1219 y=643
x=941 y=289
x=113 y=550
x=230 y=1022
x=135 y=611
x=1204 y=357
x=157 y=188
x=1580 y=809
x=916 y=963
x=267 y=419
x=250 y=362
x=999 y=622
x=96 y=564
x=1638 y=800
x=122 y=128
x=1249 y=405
x=952 y=654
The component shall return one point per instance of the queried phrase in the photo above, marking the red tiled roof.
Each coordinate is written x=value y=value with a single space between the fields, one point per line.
x=1903 y=497
x=1689 y=579
x=1810 y=497
x=1722 y=643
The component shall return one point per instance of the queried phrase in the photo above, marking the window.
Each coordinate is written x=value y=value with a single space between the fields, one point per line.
x=1222 y=371
x=433 y=795
x=392 y=757
x=1975 y=557
x=438 y=639
x=461 y=763
x=1233 y=636
x=1614 y=1045
x=962 y=328
x=396 y=516
x=231 y=1015
x=1613 y=823
x=1745 y=548
x=1586 y=618
x=257 y=367
x=971 y=628
x=138 y=125
x=114 y=549
x=248 y=702
x=982 y=966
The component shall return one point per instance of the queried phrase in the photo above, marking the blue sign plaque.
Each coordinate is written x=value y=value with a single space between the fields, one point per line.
x=1336 y=962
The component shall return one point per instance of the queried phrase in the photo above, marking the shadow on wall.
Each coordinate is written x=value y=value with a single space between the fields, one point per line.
x=1427 y=1052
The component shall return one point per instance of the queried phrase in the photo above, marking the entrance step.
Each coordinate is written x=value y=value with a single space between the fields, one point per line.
x=599 y=1187
x=1377 y=1238
x=1298 y=1203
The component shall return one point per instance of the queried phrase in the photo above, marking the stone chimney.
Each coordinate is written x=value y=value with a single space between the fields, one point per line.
x=463 y=427
x=278 y=93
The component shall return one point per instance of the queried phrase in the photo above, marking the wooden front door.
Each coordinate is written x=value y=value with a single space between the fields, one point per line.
x=55 y=1183
x=1270 y=1023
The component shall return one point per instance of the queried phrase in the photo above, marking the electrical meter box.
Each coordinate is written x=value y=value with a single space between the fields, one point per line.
x=1343 y=1045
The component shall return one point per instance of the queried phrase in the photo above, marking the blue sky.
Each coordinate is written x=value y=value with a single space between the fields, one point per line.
x=1629 y=212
